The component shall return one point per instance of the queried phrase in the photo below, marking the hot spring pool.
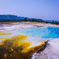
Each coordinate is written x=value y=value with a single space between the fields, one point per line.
x=27 y=40
x=35 y=35
x=47 y=32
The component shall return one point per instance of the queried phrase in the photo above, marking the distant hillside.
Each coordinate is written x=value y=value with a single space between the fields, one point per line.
x=51 y=21
x=16 y=18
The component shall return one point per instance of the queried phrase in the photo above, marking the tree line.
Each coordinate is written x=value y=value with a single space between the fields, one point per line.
x=31 y=20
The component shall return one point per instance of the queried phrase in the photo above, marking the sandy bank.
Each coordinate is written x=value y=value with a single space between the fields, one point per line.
x=15 y=25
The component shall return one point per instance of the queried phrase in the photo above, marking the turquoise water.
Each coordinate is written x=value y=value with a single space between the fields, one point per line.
x=48 y=32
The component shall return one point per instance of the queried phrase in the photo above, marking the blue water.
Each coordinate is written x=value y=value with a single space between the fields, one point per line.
x=48 y=32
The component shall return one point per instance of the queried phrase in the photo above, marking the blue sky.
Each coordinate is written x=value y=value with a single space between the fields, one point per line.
x=44 y=9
